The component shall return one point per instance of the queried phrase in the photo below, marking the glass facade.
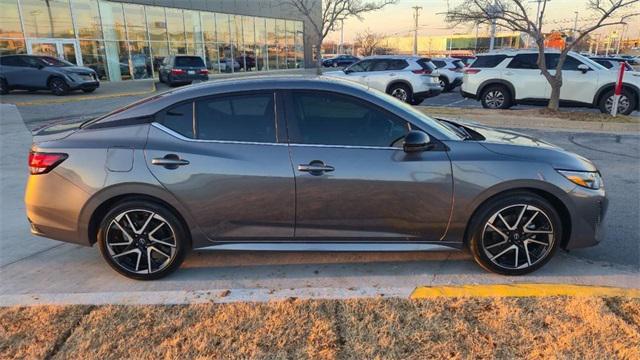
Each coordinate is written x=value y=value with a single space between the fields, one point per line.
x=123 y=41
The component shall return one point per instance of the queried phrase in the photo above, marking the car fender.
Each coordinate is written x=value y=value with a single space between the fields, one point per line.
x=399 y=81
x=612 y=85
x=488 y=82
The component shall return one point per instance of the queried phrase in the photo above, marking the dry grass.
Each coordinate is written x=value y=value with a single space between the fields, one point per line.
x=554 y=327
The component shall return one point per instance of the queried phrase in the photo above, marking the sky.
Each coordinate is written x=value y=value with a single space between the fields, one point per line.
x=398 y=19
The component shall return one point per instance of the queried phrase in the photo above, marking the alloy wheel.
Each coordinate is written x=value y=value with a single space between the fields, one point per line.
x=623 y=104
x=494 y=99
x=518 y=236
x=57 y=86
x=442 y=84
x=141 y=241
x=400 y=93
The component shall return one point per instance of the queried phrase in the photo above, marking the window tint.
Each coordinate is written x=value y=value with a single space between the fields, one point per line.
x=524 y=61
x=193 y=61
x=488 y=61
x=458 y=64
x=438 y=63
x=570 y=63
x=10 y=61
x=426 y=64
x=178 y=118
x=380 y=65
x=604 y=63
x=333 y=119
x=248 y=117
x=364 y=65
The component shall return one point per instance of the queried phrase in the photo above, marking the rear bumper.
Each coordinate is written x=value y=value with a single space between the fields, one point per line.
x=430 y=90
x=188 y=78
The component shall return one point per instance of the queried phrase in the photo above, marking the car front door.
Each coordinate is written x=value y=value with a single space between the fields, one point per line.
x=525 y=76
x=577 y=86
x=357 y=72
x=354 y=182
x=222 y=158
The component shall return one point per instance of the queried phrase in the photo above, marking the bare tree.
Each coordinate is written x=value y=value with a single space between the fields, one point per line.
x=368 y=42
x=333 y=12
x=514 y=15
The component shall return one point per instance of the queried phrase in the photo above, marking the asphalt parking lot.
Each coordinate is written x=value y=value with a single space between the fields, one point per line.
x=36 y=269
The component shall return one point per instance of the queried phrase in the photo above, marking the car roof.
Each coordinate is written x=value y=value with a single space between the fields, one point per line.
x=513 y=52
x=607 y=58
x=397 y=57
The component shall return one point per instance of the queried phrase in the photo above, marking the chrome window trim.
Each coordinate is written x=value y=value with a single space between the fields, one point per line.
x=184 y=138
x=348 y=146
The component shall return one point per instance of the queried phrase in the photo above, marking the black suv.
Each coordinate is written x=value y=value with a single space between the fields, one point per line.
x=340 y=60
x=35 y=72
x=183 y=69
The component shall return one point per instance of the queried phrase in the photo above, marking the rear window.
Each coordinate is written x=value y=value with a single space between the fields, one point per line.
x=191 y=61
x=488 y=61
x=458 y=64
x=426 y=64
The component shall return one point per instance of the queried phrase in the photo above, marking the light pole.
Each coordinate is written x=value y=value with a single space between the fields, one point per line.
x=415 y=30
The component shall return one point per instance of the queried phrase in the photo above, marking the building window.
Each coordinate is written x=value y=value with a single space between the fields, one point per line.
x=47 y=19
x=236 y=40
x=281 y=44
x=136 y=24
x=223 y=39
x=299 y=44
x=272 y=45
x=261 y=45
x=249 y=43
x=208 y=27
x=156 y=23
x=87 y=19
x=11 y=37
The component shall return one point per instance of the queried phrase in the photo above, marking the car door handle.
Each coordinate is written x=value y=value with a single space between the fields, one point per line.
x=508 y=73
x=315 y=168
x=392 y=74
x=170 y=161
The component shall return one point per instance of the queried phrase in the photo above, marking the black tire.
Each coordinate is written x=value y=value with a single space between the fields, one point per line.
x=444 y=82
x=4 y=87
x=58 y=86
x=109 y=234
x=628 y=98
x=89 y=90
x=496 y=97
x=485 y=243
x=401 y=92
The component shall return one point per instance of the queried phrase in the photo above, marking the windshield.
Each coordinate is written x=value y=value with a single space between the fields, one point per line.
x=51 y=61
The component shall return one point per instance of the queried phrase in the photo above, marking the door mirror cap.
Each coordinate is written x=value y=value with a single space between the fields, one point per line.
x=416 y=141
x=584 y=68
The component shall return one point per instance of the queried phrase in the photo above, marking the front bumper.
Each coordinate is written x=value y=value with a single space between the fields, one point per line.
x=431 y=91
x=468 y=95
x=587 y=215
x=84 y=85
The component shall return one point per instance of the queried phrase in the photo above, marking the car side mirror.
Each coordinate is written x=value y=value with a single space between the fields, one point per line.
x=584 y=68
x=347 y=71
x=416 y=141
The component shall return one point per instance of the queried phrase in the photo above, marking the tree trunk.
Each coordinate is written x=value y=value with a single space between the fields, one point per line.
x=319 y=55
x=554 y=99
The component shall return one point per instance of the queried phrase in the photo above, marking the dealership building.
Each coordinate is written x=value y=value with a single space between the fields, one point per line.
x=127 y=40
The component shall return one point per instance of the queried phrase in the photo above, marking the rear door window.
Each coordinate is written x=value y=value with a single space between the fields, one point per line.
x=178 y=118
x=524 y=61
x=426 y=64
x=439 y=63
x=488 y=61
x=242 y=117
x=189 y=61
x=10 y=61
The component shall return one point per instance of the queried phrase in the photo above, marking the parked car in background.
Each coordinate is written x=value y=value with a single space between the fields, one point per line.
x=340 y=61
x=183 y=69
x=502 y=79
x=36 y=72
x=228 y=65
x=451 y=72
x=633 y=60
x=466 y=60
x=408 y=78
x=612 y=63
x=219 y=166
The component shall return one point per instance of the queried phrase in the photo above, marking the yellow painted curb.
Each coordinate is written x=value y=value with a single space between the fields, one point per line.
x=521 y=290
x=63 y=100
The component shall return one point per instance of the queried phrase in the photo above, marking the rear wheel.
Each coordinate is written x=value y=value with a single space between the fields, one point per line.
x=515 y=234
x=142 y=240
x=496 y=97
x=626 y=104
x=401 y=92
x=444 y=84
x=58 y=86
x=4 y=87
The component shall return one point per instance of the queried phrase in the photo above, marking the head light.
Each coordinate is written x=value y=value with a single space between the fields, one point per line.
x=588 y=179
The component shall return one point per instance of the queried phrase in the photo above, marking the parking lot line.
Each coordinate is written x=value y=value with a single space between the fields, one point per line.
x=521 y=290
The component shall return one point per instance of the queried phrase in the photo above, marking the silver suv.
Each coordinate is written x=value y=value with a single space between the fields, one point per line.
x=451 y=72
x=407 y=78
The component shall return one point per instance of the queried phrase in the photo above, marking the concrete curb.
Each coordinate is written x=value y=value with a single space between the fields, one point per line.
x=522 y=290
x=64 y=100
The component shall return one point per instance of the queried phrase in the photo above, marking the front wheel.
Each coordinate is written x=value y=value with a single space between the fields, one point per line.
x=515 y=234
x=4 y=87
x=401 y=92
x=142 y=240
x=626 y=104
x=88 y=91
x=58 y=86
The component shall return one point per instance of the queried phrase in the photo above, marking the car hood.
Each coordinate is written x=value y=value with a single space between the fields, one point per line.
x=515 y=144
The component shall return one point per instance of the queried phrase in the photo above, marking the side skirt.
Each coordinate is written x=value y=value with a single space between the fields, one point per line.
x=335 y=247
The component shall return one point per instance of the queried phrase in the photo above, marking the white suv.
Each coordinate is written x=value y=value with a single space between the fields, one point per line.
x=407 y=78
x=451 y=72
x=503 y=79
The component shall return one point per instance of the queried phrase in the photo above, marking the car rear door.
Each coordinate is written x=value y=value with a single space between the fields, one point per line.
x=525 y=76
x=223 y=159
x=384 y=71
x=354 y=182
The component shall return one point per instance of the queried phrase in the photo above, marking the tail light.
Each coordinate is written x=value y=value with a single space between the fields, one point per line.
x=204 y=71
x=42 y=163
x=421 y=71
x=177 y=71
x=471 y=71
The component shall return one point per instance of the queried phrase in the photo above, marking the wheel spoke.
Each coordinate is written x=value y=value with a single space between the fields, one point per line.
x=526 y=251
x=156 y=228
x=153 y=248
x=126 y=234
x=496 y=244
x=504 y=221
x=133 y=228
x=512 y=247
x=535 y=242
x=132 y=251
x=500 y=232
x=146 y=223
x=515 y=226
x=163 y=241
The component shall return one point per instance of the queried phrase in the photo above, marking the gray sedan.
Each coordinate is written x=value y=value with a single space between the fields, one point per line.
x=301 y=162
